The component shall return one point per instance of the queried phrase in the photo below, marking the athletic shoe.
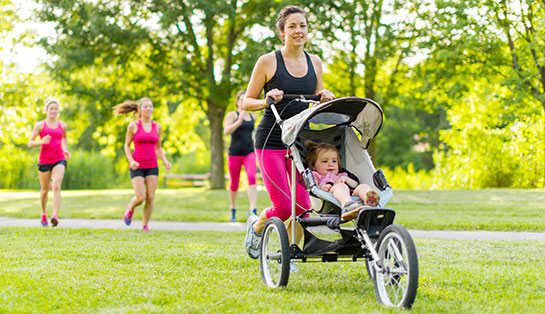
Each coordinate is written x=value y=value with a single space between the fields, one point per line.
x=54 y=221
x=44 y=221
x=252 y=212
x=252 y=242
x=372 y=198
x=145 y=228
x=127 y=218
x=351 y=210
x=293 y=267
x=233 y=215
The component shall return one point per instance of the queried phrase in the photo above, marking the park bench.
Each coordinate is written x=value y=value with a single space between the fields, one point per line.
x=191 y=179
x=186 y=179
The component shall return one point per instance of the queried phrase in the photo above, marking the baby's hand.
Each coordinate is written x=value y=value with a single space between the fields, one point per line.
x=325 y=187
x=341 y=180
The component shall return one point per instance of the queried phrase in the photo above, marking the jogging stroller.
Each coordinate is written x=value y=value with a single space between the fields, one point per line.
x=387 y=249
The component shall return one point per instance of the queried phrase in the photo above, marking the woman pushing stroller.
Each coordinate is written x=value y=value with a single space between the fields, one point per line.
x=289 y=70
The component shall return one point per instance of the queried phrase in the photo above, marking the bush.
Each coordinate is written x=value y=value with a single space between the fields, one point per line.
x=410 y=179
x=86 y=170
x=19 y=169
x=89 y=170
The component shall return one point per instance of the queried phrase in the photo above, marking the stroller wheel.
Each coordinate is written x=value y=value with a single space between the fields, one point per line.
x=397 y=282
x=275 y=256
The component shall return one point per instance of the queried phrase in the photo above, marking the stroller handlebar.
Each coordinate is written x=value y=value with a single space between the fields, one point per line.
x=300 y=98
x=311 y=99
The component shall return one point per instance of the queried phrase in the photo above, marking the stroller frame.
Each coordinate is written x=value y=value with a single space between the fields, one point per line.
x=388 y=249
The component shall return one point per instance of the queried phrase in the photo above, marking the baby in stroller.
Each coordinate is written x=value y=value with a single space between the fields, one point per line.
x=325 y=162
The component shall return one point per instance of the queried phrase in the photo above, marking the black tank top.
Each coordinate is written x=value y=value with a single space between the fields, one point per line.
x=241 y=139
x=284 y=81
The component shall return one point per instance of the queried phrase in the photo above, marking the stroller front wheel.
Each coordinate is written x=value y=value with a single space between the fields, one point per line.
x=397 y=281
x=275 y=254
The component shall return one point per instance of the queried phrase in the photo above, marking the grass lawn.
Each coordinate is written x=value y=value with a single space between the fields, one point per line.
x=493 y=209
x=111 y=271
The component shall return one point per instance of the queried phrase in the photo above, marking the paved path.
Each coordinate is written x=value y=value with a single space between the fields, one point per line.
x=241 y=227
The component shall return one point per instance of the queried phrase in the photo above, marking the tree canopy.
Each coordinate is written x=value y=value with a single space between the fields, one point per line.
x=462 y=84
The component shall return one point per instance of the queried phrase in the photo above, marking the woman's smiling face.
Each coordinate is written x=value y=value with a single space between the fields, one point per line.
x=295 y=29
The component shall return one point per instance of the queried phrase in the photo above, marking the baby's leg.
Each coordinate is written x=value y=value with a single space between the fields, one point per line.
x=341 y=193
x=367 y=195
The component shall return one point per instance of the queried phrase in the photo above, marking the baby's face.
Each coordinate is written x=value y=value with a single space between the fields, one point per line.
x=327 y=162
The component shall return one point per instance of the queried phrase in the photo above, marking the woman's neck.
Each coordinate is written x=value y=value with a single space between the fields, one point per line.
x=145 y=119
x=51 y=120
x=293 y=51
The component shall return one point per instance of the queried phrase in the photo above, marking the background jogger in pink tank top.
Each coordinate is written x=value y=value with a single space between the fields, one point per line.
x=146 y=136
x=52 y=160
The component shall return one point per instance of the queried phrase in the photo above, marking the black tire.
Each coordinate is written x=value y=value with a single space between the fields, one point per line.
x=397 y=283
x=275 y=254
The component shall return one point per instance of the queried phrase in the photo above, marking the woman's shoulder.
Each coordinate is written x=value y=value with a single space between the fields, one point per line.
x=267 y=59
x=315 y=59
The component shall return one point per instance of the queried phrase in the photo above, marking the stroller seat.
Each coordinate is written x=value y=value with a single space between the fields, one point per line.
x=355 y=160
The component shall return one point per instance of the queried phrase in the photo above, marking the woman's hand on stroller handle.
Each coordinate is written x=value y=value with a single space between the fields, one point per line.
x=300 y=98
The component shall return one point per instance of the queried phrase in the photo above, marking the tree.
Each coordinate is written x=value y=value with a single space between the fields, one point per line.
x=184 y=50
x=483 y=66
x=372 y=42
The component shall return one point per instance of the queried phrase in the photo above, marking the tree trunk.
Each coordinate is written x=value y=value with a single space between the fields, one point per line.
x=215 y=115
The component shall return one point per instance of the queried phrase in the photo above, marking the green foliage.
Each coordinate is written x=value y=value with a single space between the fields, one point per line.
x=179 y=54
x=192 y=163
x=491 y=144
x=86 y=170
x=409 y=178
x=19 y=169
x=421 y=61
x=90 y=170
x=409 y=135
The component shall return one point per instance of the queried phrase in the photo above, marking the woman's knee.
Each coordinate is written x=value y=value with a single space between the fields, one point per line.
x=150 y=197
x=251 y=178
x=234 y=186
x=140 y=198
x=44 y=191
x=282 y=211
x=56 y=187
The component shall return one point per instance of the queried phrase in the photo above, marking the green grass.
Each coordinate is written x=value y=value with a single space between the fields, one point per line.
x=494 y=209
x=111 y=271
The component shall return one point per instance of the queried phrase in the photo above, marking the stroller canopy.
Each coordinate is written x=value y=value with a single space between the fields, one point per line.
x=363 y=114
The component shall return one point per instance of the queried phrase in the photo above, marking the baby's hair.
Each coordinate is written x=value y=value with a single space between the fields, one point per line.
x=313 y=149
x=129 y=106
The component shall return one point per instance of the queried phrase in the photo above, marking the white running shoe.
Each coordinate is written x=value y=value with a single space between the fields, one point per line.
x=252 y=242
